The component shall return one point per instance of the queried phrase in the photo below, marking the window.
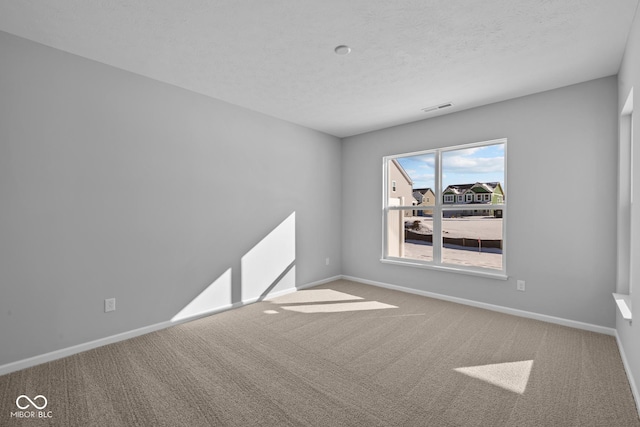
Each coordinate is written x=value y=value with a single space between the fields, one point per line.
x=450 y=236
x=626 y=268
x=393 y=186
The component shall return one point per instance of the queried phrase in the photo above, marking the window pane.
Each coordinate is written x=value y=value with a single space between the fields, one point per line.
x=472 y=238
x=410 y=234
x=473 y=175
x=415 y=180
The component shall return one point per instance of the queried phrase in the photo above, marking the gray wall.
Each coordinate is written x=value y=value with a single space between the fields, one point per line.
x=629 y=77
x=561 y=196
x=115 y=185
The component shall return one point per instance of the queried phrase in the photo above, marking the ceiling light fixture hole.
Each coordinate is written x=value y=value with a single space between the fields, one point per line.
x=342 y=50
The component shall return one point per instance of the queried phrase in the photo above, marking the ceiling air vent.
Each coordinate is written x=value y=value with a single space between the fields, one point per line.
x=437 y=107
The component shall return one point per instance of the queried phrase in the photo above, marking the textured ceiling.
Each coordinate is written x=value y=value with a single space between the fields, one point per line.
x=276 y=56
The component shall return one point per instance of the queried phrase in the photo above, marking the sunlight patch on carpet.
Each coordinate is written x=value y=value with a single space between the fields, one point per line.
x=512 y=376
x=314 y=295
x=339 y=307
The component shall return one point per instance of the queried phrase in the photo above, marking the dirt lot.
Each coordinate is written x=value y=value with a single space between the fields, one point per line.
x=473 y=227
x=469 y=227
x=454 y=256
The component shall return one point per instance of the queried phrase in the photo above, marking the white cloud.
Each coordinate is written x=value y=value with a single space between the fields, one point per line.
x=427 y=178
x=429 y=160
x=472 y=165
x=485 y=163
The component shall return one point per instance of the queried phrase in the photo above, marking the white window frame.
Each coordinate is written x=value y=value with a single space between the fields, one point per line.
x=626 y=270
x=438 y=209
x=448 y=198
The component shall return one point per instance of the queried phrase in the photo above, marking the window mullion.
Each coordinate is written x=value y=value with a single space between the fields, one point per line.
x=437 y=211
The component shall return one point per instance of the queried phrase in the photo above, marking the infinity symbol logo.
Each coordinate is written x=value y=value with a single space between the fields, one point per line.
x=22 y=397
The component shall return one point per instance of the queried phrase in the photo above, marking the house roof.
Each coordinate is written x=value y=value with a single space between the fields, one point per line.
x=423 y=190
x=489 y=186
x=463 y=188
x=402 y=171
x=458 y=188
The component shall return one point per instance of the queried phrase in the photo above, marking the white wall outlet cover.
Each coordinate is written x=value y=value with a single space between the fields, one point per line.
x=109 y=305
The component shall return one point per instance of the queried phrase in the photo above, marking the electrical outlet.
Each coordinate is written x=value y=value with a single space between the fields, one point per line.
x=520 y=285
x=109 y=305
x=327 y=261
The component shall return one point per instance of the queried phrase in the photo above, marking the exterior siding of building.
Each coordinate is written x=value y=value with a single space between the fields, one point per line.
x=480 y=195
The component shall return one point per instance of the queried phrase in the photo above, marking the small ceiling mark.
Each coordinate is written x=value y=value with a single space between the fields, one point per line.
x=342 y=50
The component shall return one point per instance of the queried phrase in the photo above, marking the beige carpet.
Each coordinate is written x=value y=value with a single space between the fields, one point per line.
x=342 y=354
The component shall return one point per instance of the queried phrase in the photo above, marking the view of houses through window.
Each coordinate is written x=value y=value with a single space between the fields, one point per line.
x=447 y=206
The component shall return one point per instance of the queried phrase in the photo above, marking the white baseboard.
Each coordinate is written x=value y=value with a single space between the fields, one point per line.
x=68 y=351
x=58 y=354
x=320 y=282
x=492 y=307
x=521 y=313
x=627 y=369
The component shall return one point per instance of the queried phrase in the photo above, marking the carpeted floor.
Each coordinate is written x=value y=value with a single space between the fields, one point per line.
x=341 y=354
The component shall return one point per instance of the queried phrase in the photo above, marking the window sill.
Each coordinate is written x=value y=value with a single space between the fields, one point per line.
x=478 y=273
x=624 y=305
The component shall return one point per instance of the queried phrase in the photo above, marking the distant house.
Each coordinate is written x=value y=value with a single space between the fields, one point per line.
x=425 y=197
x=400 y=189
x=400 y=186
x=480 y=194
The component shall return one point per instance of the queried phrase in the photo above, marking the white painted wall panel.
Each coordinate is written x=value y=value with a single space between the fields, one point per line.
x=113 y=185
x=562 y=195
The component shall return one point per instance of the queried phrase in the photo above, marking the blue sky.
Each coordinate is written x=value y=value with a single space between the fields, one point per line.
x=466 y=166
